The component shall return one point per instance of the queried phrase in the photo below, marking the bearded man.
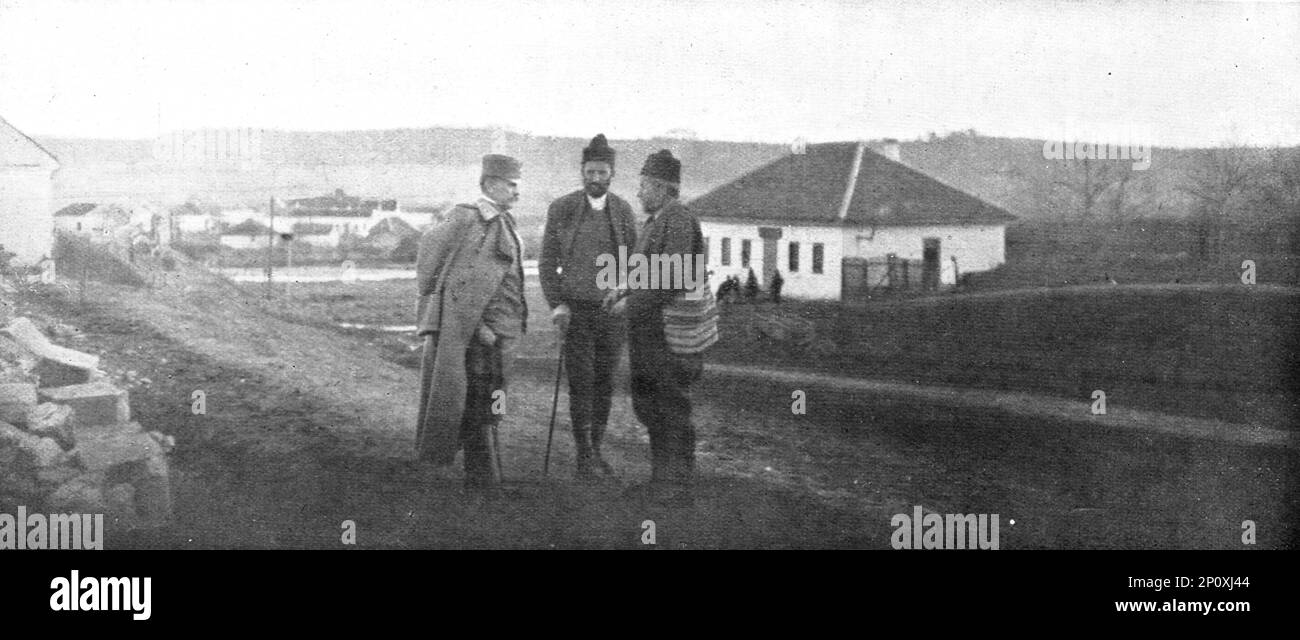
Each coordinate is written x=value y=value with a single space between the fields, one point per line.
x=580 y=228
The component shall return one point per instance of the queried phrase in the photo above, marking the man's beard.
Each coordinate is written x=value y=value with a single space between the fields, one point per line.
x=596 y=189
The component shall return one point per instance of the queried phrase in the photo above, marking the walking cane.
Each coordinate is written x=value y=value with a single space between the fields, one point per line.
x=555 y=402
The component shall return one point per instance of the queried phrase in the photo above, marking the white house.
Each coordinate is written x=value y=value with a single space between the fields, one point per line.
x=248 y=234
x=840 y=220
x=344 y=214
x=419 y=219
x=112 y=220
x=26 y=196
x=73 y=218
x=196 y=223
x=339 y=225
x=317 y=234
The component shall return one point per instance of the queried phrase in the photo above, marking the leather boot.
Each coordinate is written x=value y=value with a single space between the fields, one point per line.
x=598 y=462
x=583 y=461
x=650 y=489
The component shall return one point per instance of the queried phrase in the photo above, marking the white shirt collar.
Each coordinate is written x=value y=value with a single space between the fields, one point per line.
x=490 y=211
x=597 y=204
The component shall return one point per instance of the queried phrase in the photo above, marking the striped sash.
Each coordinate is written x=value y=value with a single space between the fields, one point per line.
x=691 y=325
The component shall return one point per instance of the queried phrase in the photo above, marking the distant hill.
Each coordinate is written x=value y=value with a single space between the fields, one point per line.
x=436 y=165
x=1012 y=173
x=414 y=166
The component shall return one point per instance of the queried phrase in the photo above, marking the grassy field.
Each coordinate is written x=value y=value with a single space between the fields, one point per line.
x=1042 y=254
x=1219 y=352
x=1224 y=353
x=1218 y=349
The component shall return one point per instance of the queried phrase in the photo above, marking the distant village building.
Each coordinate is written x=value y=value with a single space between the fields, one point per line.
x=26 y=196
x=96 y=221
x=326 y=221
x=418 y=217
x=388 y=233
x=192 y=224
x=72 y=218
x=196 y=222
x=347 y=215
x=114 y=222
x=190 y=227
x=316 y=234
x=246 y=235
x=840 y=220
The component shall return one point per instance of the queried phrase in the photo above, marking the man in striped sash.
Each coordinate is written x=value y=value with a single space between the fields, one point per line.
x=661 y=379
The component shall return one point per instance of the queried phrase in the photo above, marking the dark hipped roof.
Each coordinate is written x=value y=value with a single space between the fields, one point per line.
x=809 y=188
x=249 y=227
x=337 y=205
x=312 y=228
x=392 y=224
x=76 y=209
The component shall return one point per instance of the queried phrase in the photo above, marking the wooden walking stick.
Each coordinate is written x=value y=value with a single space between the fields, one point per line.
x=555 y=403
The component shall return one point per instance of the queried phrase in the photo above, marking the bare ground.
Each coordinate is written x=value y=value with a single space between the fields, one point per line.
x=306 y=427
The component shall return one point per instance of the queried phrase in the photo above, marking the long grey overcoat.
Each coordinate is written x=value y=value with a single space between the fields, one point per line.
x=459 y=267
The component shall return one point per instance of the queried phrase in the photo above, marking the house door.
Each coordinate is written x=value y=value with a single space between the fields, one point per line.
x=770 y=236
x=930 y=264
x=855 y=281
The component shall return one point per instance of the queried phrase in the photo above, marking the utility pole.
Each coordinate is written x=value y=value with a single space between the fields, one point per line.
x=270 y=245
x=288 y=269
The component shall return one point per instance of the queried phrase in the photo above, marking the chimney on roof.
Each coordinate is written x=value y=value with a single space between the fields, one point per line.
x=890 y=148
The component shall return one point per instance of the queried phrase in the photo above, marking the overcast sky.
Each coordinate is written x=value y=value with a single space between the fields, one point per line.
x=1174 y=74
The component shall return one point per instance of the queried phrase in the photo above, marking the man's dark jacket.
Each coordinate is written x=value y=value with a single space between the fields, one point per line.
x=673 y=230
x=561 y=228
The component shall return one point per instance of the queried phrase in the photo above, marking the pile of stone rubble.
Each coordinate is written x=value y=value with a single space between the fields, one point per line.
x=67 y=441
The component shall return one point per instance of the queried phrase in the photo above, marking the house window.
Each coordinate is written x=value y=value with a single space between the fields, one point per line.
x=794 y=257
x=726 y=251
x=706 y=250
x=78 y=226
x=744 y=253
x=818 y=257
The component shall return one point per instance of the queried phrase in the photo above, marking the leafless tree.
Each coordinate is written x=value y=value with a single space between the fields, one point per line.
x=1088 y=182
x=1274 y=201
x=1282 y=189
x=1219 y=183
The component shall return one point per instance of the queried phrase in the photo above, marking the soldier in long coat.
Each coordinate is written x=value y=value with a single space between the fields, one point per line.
x=471 y=309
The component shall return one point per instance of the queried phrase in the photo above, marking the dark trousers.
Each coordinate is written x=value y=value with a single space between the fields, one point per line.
x=661 y=400
x=591 y=352
x=483 y=367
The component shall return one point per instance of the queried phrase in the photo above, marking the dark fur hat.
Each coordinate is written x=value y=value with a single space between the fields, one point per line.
x=662 y=165
x=598 y=151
